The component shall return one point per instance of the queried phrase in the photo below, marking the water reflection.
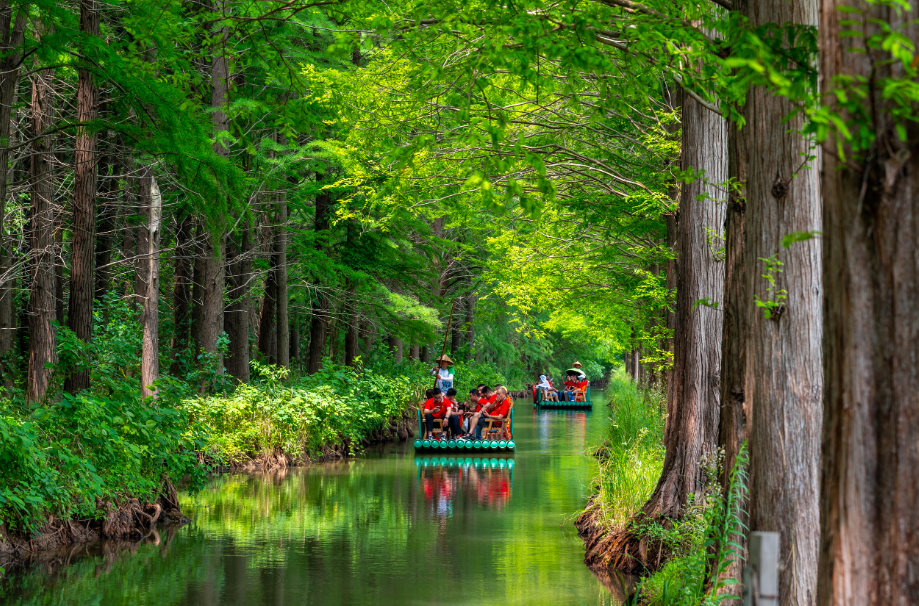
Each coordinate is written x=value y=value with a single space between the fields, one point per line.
x=384 y=529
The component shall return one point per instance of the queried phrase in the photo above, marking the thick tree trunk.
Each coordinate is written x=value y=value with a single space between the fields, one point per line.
x=236 y=315
x=80 y=317
x=152 y=203
x=41 y=292
x=697 y=359
x=181 y=290
x=869 y=551
x=732 y=428
x=9 y=80
x=415 y=352
x=784 y=384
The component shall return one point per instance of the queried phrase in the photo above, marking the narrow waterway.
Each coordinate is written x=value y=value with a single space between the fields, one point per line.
x=386 y=528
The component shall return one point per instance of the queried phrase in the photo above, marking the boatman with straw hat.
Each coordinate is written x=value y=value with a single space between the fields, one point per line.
x=444 y=373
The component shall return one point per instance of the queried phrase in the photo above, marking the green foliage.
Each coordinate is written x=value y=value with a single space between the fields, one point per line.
x=775 y=297
x=61 y=458
x=703 y=543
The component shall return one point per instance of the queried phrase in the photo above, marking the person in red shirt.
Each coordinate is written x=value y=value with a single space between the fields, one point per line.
x=434 y=408
x=454 y=415
x=497 y=411
x=485 y=402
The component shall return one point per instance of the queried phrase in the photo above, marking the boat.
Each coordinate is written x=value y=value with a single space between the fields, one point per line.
x=581 y=404
x=467 y=447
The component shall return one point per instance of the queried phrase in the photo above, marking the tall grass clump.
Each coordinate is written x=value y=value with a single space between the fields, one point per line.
x=631 y=459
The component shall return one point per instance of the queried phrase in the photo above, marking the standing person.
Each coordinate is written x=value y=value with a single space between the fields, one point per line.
x=444 y=373
x=433 y=408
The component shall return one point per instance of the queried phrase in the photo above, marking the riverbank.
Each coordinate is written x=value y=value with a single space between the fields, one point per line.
x=629 y=464
x=91 y=467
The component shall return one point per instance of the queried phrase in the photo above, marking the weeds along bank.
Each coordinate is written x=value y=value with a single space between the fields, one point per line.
x=680 y=561
x=105 y=463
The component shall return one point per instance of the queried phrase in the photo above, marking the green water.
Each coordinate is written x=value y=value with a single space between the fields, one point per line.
x=387 y=528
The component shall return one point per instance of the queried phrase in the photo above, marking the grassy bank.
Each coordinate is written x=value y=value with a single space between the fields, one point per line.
x=632 y=456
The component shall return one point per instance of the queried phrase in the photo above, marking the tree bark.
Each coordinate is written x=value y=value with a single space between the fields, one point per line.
x=181 y=291
x=784 y=383
x=732 y=428
x=395 y=346
x=869 y=540
x=267 y=332
x=236 y=315
x=320 y=307
x=414 y=352
x=697 y=359
x=80 y=314
x=283 y=301
x=470 y=322
x=9 y=81
x=41 y=292
x=152 y=202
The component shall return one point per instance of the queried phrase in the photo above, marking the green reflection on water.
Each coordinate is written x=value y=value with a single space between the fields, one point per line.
x=383 y=529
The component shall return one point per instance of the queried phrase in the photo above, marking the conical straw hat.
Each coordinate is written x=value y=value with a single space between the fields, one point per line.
x=444 y=358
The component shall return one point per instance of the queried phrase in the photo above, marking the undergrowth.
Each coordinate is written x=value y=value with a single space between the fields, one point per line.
x=702 y=544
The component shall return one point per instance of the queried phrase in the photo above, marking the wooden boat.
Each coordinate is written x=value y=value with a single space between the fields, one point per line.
x=468 y=447
x=582 y=401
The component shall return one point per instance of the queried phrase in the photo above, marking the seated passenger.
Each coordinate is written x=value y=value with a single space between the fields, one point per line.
x=433 y=408
x=486 y=401
x=497 y=413
x=454 y=415
x=551 y=394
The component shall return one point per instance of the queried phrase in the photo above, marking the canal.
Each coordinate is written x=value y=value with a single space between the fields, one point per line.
x=385 y=528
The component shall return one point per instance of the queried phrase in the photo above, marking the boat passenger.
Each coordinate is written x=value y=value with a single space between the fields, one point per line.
x=497 y=412
x=486 y=401
x=433 y=408
x=454 y=416
x=546 y=384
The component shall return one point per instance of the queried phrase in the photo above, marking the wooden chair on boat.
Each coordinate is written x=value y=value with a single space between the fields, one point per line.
x=502 y=432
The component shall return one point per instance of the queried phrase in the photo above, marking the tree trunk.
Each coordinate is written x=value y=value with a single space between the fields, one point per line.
x=283 y=300
x=80 y=314
x=9 y=81
x=213 y=265
x=41 y=292
x=784 y=383
x=456 y=330
x=181 y=291
x=395 y=346
x=697 y=359
x=267 y=332
x=103 y=242
x=295 y=338
x=673 y=264
x=415 y=352
x=152 y=202
x=319 y=316
x=236 y=315
x=870 y=482
x=732 y=427
x=470 y=322
x=351 y=339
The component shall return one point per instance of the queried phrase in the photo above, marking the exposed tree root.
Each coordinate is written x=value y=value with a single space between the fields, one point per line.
x=128 y=520
x=618 y=549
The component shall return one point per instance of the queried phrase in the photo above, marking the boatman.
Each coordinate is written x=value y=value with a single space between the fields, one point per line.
x=444 y=373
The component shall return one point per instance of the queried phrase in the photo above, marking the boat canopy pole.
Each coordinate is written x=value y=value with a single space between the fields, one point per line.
x=446 y=334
